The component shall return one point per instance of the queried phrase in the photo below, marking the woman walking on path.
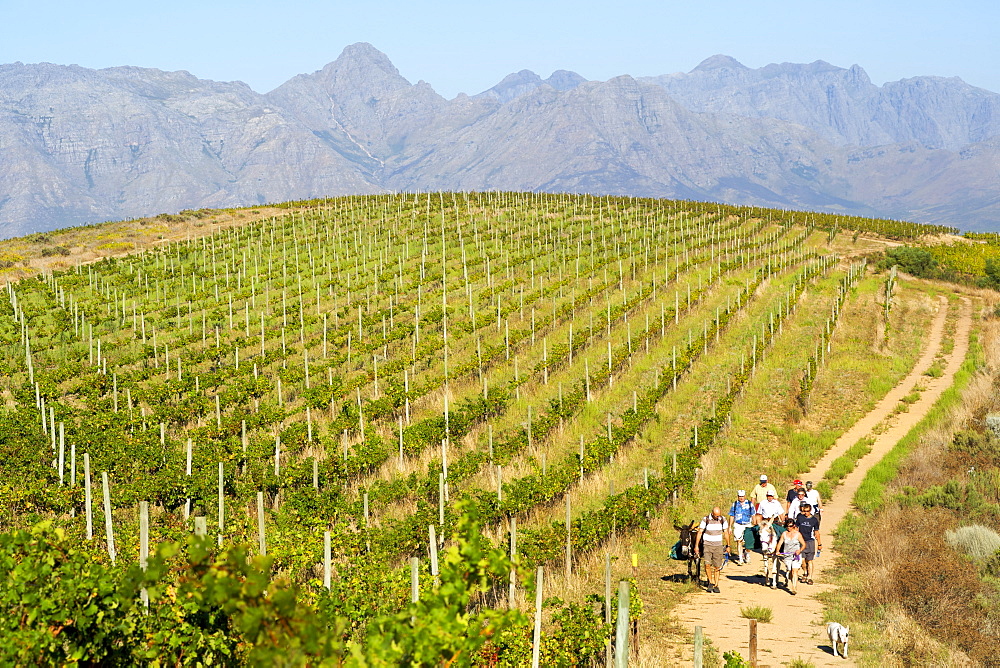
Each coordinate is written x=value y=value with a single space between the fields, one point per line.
x=790 y=547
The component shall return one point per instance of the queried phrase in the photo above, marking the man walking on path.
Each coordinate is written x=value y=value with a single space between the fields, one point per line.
x=741 y=515
x=813 y=496
x=808 y=525
x=713 y=536
x=759 y=493
x=771 y=508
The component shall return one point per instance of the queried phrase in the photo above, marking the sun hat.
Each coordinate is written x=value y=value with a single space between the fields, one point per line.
x=763 y=478
x=742 y=492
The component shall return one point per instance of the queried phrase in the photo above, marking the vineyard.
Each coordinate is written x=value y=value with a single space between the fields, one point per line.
x=363 y=430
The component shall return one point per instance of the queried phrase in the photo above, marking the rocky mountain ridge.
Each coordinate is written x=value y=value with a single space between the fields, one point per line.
x=79 y=145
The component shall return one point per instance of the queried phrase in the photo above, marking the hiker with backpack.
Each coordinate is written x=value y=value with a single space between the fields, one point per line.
x=713 y=538
x=741 y=517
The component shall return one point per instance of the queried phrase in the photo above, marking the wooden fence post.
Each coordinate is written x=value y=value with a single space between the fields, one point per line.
x=699 y=640
x=753 y=643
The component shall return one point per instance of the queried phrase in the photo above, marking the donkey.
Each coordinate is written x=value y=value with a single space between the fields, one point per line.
x=768 y=549
x=687 y=549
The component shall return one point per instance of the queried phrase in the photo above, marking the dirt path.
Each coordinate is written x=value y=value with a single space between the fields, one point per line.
x=797 y=629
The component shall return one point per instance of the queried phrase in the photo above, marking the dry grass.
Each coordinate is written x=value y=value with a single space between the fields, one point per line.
x=112 y=239
x=917 y=599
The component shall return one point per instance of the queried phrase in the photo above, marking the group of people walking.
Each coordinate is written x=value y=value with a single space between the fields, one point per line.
x=792 y=524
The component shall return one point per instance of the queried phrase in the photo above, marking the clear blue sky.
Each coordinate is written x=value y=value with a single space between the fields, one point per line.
x=469 y=46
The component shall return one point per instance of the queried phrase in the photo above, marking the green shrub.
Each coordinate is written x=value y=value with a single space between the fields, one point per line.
x=733 y=659
x=992 y=566
x=914 y=261
x=758 y=612
x=936 y=370
x=800 y=663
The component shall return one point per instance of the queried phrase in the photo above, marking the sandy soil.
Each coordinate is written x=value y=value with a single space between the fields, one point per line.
x=797 y=629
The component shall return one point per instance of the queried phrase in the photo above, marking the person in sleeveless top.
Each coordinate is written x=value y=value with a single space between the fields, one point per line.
x=790 y=547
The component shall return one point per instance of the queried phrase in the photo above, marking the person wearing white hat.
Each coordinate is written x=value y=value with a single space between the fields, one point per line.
x=759 y=493
x=771 y=508
x=741 y=517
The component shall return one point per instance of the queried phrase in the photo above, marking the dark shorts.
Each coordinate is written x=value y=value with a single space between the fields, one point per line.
x=809 y=553
x=713 y=553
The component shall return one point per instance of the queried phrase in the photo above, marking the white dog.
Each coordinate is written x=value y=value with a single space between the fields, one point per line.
x=838 y=634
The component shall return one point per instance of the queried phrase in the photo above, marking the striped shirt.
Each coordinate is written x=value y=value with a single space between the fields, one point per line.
x=712 y=529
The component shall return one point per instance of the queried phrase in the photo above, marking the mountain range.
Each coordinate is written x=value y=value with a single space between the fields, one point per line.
x=82 y=145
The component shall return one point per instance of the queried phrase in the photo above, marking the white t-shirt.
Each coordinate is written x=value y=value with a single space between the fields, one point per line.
x=795 y=505
x=812 y=496
x=771 y=508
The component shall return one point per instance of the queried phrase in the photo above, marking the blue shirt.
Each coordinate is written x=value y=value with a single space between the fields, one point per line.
x=742 y=511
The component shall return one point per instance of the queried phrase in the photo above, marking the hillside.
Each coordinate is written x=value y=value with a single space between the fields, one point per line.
x=354 y=372
x=84 y=145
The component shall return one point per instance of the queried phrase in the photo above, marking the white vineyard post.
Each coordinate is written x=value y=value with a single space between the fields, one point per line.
x=433 y=549
x=144 y=545
x=222 y=503
x=536 y=643
x=108 y=525
x=87 y=496
x=187 y=472
x=326 y=560
x=260 y=524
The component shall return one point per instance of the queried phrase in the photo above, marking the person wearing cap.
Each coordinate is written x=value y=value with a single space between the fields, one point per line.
x=771 y=508
x=808 y=525
x=793 y=490
x=759 y=492
x=741 y=516
x=813 y=496
x=713 y=536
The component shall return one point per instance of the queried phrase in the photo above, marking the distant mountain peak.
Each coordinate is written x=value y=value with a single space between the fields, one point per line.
x=517 y=84
x=524 y=76
x=363 y=52
x=719 y=62
x=359 y=69
x=564 y=80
